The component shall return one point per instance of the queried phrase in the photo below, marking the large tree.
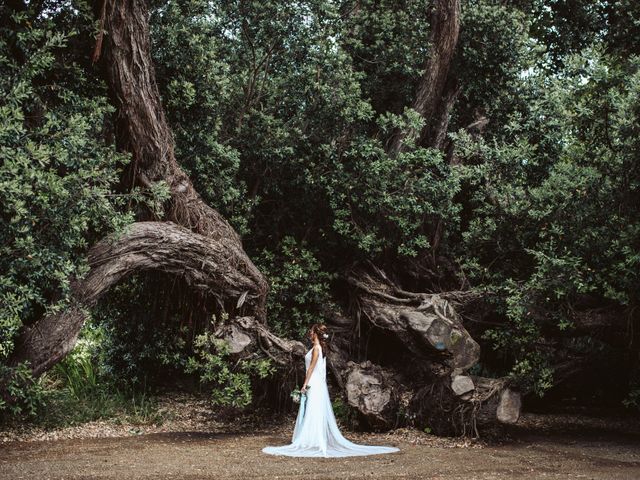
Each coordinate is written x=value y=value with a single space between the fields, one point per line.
x=406 y=151
x=209 y=254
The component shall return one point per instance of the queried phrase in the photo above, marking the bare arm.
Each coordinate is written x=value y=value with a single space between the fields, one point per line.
x=312 y=364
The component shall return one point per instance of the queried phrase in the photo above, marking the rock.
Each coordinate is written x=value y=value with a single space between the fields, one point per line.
x=371 y=390
x=236 y=339
x=509 y=406
x=462 y=384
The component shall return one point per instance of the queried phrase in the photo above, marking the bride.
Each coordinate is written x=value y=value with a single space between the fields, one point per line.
x=316 y=433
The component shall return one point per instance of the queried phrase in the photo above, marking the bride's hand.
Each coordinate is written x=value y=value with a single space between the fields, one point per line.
x=303 y=389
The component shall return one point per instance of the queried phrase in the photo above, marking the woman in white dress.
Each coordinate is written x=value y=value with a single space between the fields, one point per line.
x=316 y=433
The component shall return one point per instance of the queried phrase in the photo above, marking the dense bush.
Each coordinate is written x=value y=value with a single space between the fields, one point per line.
x=299 y=288
x=555 y=214
x=57 y=173
x=229 y=382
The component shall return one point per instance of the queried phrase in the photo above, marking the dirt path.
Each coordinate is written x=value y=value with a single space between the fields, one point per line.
x=528 y=452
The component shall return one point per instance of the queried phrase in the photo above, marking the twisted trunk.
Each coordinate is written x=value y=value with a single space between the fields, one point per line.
x=413 y=356
x=422 y=344
x=427 y=349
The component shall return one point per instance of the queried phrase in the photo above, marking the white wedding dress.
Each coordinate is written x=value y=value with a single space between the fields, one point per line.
x=316 y=433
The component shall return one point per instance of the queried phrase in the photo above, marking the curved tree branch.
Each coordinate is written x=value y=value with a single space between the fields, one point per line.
x=202 y=262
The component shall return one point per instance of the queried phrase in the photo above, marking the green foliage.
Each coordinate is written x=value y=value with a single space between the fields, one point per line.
x=281 y=112
x=140 y=353
x=380 y=204
x=388 y=42
x=137 y=356
x=27 y=393
x=281 y=115
x=230 y=384
x=553 y=216
x=198 y=88
x=56 y=178
x=495 y=48
x=74 y=391
x=344 y=413
x=405 y=417
x=299 y=288
x=79 y=389
x=79 y=375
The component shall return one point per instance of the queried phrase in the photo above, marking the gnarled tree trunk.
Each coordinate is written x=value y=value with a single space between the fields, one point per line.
x=424 y=352
x=142 y=129
x=427 y=349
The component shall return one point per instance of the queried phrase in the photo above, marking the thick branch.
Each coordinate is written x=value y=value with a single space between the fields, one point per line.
x=203 y=263
x=445 y=28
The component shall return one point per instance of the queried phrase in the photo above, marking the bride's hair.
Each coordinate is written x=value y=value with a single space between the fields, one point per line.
x=320 y=329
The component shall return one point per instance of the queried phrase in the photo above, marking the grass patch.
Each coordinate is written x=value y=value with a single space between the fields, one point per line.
x=84 y=396
x=74 y=393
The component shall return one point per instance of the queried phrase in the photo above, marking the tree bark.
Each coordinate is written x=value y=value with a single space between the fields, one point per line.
x=426 y=353
x=445 y=28
x=428 y=347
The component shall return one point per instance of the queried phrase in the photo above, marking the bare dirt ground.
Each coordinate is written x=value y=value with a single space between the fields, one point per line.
x=194 y=446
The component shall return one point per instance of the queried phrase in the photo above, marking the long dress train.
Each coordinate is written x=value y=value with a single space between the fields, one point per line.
x=316 y=433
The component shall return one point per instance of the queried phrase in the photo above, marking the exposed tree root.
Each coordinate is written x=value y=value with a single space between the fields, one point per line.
x=428 y=351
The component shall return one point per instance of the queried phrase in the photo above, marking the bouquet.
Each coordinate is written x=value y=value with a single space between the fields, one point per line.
x=296 y=394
